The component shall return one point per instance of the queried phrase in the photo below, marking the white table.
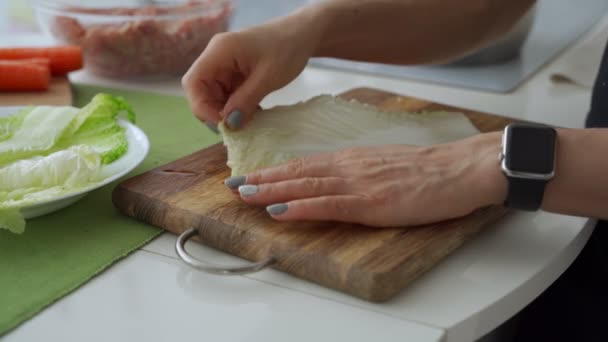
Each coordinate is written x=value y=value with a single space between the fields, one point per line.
x=153 y=296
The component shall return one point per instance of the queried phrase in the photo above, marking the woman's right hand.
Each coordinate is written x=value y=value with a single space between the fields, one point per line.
x=238 y=69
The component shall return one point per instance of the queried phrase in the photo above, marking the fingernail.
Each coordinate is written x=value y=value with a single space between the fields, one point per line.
x=248 y=190
x=234 y=182
x=234 y=119
x=276 y=209
x=212 y=126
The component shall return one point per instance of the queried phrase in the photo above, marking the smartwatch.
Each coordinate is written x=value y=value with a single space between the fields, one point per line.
x=528 y=161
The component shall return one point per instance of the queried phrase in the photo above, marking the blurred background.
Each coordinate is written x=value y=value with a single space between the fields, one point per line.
x=547 y=30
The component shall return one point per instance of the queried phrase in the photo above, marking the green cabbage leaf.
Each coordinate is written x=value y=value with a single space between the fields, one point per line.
x=47 y=152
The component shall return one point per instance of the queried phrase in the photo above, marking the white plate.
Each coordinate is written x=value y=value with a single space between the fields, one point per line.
x=139 y=146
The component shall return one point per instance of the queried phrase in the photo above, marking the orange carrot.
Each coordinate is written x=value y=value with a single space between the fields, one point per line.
x=21 y=75
x=63 y=58
x=42 y=61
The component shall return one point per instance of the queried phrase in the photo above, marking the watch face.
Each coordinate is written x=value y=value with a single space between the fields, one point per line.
x=530 y=148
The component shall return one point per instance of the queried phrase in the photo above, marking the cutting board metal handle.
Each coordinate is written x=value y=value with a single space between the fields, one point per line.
x=214 y=269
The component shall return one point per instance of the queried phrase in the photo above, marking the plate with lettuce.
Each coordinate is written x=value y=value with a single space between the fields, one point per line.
x=51 y=156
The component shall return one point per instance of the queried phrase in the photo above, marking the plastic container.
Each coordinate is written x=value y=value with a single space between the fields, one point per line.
x=135 y=39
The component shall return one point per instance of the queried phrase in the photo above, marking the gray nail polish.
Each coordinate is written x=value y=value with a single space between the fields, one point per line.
x=234 y=119
x=234 y=182
x=212 y=126
x=276 y=209
x=248 y=190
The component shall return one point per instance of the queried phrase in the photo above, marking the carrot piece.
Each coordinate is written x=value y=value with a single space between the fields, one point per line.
x=63 y=58
x=23 y=76
x=42 y=61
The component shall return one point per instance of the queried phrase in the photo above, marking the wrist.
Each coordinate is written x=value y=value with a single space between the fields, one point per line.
x=558 y=193
x=322 y=18
x=308 y=25
x=487 y=176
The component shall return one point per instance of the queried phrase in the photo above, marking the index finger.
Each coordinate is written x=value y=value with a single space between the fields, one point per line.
x=205 y=100
x=208 y=83
x=205 y=94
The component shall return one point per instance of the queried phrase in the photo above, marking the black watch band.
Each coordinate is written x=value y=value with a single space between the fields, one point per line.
x=525 y=194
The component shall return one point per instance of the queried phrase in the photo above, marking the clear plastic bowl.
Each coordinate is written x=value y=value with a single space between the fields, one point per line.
x=135 y=39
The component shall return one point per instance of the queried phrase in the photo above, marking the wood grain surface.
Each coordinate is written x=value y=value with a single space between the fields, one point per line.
x=58 y=94
x=370 y=263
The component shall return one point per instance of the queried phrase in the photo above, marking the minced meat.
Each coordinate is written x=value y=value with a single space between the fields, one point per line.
x=143 y=47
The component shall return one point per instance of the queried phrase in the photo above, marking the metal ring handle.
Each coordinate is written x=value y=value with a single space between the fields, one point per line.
x=199 y=265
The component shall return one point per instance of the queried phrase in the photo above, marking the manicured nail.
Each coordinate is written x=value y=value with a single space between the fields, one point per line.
x=212 y=126
x=276 y=209
x=248 y=190
x=234 y=119
x=234 y=182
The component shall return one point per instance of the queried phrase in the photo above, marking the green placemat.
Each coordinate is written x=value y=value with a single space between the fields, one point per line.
x=60 y=251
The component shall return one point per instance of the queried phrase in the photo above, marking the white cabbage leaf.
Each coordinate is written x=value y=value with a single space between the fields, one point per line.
x=326 y=123
x=40 y=179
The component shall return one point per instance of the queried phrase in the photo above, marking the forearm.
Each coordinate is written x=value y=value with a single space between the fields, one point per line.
x=408 y=32
x=580 y=186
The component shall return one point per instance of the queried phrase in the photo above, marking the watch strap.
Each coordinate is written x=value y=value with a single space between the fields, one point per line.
x=525 y=194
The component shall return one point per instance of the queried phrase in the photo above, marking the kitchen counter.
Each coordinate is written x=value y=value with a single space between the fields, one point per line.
x=151 y=295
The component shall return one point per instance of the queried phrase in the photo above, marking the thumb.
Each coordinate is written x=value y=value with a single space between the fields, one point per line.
x=243 y=102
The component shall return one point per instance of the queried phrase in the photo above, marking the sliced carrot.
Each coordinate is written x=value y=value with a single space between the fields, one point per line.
x=23 y=76
x=63 y=58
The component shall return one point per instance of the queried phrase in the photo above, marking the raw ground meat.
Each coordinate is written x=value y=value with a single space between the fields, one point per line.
x=138 y=47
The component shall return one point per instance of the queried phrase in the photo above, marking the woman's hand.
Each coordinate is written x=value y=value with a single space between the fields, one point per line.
x=393 y=185
x=238 y=69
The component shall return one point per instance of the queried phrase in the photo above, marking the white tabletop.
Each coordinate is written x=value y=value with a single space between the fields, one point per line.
x=153 y=296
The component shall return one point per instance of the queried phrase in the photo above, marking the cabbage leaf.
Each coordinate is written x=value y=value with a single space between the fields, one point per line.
x=96 y=126
x=39 y=179
x=326 y=123
x=12 y=220
x=36 y=132
x=50 y=151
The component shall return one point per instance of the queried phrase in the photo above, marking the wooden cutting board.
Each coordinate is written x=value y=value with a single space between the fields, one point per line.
x=58 y=94
x=370 y=263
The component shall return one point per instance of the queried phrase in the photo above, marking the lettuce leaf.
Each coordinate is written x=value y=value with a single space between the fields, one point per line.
x=102 y=106
x=9 y=124
x=326 y=123
x=40 y=179
x=96 y=126
x=68 y=168
x=12 y=220
x=50 y=151
x=36 y=132
x=44 y=129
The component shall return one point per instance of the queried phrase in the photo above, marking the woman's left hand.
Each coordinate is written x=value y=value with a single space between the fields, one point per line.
x=394 y=185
